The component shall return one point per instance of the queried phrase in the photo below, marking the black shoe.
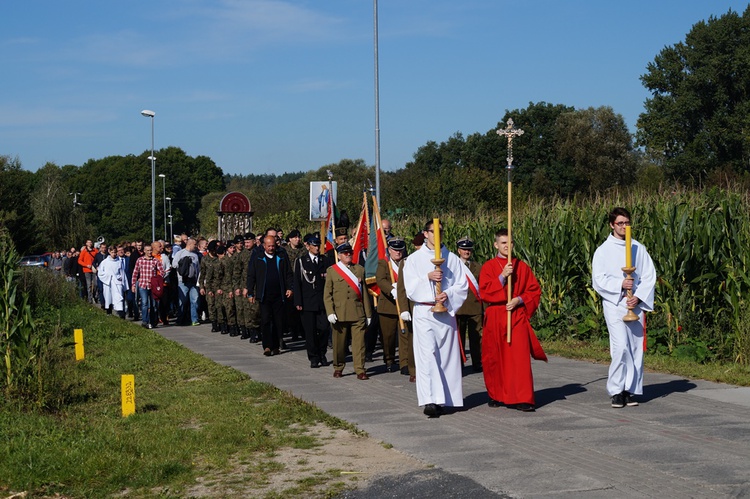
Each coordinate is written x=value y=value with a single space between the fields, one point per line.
x=431 y=410
x=477 y=369
x=244 y=333
x=283 y=344
x=618 y=401
x=323 y=361
x=629 y=400
x=392 y=368
x=368 y=357
x=224 y=328
x=314 y=364
x=405 y=371
x=494 y=403
x=525 y=407
x=233 y=331
x=215 y=327
x=254 y=335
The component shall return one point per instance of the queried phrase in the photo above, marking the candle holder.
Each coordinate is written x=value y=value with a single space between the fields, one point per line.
x=630 y=316
x=438 y=307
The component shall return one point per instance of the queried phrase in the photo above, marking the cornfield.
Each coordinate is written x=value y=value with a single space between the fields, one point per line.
x=699 y=242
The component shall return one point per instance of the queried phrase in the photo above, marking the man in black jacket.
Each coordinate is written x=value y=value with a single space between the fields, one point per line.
x=269 y=282
x=309 y=279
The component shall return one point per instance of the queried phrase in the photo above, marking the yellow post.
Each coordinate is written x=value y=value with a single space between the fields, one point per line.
x=128 y=394
x=78 y=338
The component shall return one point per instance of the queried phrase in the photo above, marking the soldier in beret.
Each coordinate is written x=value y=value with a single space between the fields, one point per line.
x=469 y=316
x=348 y=309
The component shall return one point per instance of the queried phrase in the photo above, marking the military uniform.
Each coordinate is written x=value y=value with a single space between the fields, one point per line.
x=406 y=336
x=470 y=316
x=388 y=312
x=239 y=281
x=348 y=313
x=208 y=284
x=250 y=316
x=309 y=281
x=227 y=295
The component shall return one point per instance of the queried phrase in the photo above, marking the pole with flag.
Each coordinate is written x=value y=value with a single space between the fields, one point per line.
x=361 y=233
x=510 y=132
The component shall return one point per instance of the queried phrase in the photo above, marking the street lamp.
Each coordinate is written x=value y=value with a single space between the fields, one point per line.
x=151 y=114
x=164 y=194
x=171 y=236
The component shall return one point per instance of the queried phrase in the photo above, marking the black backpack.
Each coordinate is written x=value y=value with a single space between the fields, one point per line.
x=186 y=271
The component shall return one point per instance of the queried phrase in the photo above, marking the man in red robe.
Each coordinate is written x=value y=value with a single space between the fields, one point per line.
x=507 y=366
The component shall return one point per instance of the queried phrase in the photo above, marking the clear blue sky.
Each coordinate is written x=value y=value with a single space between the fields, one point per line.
x=274 y=86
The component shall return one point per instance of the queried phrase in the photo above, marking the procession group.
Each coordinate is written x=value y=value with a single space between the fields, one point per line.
x=422 y=307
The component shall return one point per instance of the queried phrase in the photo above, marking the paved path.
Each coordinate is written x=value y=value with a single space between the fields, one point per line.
x=686 y=439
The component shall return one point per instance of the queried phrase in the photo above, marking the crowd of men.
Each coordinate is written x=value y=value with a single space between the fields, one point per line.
x=422 y=308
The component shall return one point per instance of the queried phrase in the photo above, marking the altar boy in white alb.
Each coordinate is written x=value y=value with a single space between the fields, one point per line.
x=437 y=352
x=625 y=338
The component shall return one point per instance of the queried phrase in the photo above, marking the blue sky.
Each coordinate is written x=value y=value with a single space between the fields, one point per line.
x=272 y=86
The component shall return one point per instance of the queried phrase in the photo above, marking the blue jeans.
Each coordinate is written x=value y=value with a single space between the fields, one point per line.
x=188 y=293
x=148 y=307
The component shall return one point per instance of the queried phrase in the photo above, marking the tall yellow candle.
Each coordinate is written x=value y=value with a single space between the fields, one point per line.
x=436 y=232
x=628 y=248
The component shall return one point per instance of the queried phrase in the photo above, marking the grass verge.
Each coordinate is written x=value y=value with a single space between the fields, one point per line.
x=735 y=374
x=194 y=419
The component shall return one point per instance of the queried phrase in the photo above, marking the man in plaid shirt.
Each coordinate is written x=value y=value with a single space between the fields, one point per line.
x=145 y=268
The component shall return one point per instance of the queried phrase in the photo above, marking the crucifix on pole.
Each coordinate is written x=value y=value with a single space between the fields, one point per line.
x=510 y=132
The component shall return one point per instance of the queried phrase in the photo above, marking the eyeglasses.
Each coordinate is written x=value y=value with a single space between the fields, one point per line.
x=622 y=224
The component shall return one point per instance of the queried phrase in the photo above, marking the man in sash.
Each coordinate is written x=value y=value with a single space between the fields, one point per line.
x=388 y=313
x=309 y=280
x=507 y=366
x=436 y=343
x=625 y=377
x=469 y=316
x=348 y=309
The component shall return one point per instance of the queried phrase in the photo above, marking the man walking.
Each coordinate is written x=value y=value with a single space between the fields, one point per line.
x=188 y=266
x=269 y=282
x=348 y=309
x=436 y=345
x=507 y=365
x=625 y=377
x=309 y=280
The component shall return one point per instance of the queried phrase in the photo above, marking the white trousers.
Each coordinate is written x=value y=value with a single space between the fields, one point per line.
x=626 y=350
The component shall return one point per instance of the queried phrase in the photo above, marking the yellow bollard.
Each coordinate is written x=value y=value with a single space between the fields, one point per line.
x=78 y=337
x=128 y=394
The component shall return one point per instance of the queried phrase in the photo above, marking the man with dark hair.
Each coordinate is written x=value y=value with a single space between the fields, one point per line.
x=620 y=293
x=269 y=282
x=470 y=315
x=507 y=365
x=436 y=344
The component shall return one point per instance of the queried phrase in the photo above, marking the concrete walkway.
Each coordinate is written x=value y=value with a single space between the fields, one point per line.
x=687 y=438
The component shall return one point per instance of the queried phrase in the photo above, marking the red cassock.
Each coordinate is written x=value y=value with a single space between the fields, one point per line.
x=507 y=367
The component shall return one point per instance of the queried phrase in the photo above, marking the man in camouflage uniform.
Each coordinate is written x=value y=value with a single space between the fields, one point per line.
x=208 y=283
x=228 y=287
x=247 y=313
x=294 y=249
x=217 y=278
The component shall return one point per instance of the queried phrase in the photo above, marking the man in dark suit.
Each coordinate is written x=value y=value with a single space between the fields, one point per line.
x=309 y=279
x=269 y=282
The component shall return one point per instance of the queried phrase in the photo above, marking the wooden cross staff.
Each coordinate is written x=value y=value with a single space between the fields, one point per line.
x=510 y=133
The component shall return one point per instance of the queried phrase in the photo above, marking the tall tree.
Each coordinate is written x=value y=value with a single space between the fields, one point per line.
x=16 y=186
x=698 y=118
x=52 y=208
x=597 y=145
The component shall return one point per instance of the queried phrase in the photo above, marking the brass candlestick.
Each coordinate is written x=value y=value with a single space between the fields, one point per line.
x=438 y=307
x=630 y=316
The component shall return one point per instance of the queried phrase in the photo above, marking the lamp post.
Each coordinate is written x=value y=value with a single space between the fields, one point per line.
x=171 y=235
x=164 y=197
x=151 y=114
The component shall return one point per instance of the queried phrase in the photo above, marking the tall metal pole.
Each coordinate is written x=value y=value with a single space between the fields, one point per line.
x=171 y=235
x=164 y=201
x=377 y=107
x=151 y=114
